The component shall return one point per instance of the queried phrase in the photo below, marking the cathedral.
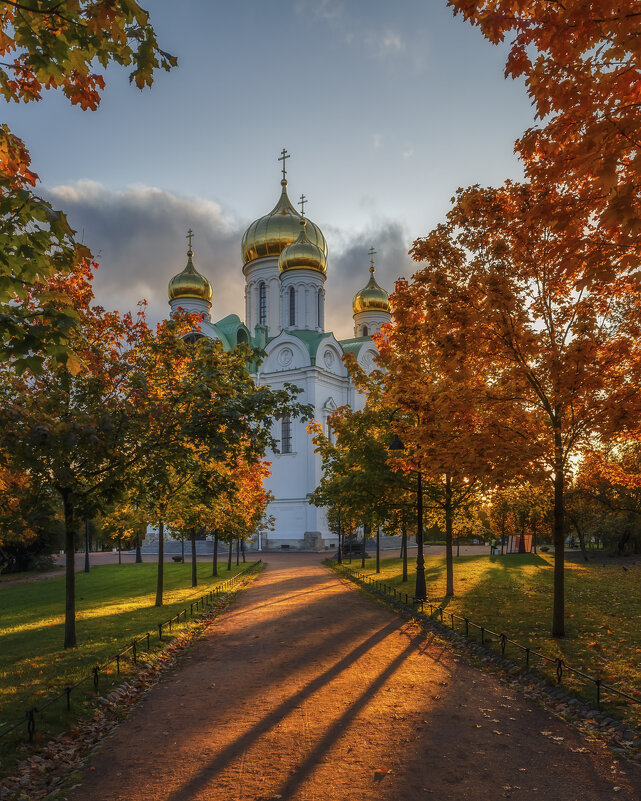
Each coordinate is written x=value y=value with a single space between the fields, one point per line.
x=284 y=262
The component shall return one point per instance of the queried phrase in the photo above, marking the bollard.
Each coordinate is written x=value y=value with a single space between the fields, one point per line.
x=559 y=670
x=31 y=723
x=598 y=692
x=133 y=651
x=68 y=694
x=527 y=658
x=147 y=640
x=503 y=640
x=95 y=677
x=160 y=631
x=482 y=636
x=118 y=664
x=452 y=616
x=467 y=627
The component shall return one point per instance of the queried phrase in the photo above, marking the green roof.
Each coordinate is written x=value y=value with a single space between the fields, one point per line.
x=311 y=340
x=354 y=344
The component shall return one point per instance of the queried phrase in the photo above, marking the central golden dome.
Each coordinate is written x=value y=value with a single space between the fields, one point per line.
x=271 y=234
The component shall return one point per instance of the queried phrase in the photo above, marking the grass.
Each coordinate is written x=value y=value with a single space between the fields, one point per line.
x=513 y=594
x=115 y=603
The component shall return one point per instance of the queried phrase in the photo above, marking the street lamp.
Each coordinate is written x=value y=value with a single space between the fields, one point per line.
x=420 y=593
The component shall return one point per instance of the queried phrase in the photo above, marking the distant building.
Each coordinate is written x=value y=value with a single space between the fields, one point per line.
x=284 y=258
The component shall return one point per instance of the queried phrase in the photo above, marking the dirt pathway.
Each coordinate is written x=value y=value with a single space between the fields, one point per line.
x=307 y=687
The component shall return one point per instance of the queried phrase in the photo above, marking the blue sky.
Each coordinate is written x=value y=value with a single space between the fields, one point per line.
x=386 y=110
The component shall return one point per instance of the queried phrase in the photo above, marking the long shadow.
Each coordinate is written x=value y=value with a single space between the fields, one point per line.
x=195 y=784
x=339 y=726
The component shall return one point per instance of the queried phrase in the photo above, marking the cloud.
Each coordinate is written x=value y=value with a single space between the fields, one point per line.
x=137 y=235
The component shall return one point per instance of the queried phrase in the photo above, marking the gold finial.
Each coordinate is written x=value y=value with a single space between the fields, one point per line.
x=189 y=236
x=284 y=155
x=301 y=203
x=371 y=253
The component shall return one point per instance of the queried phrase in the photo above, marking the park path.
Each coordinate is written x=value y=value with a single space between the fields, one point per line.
x=306 y=687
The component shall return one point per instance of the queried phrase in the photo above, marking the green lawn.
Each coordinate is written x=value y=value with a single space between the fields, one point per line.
x=513 y=594
x=115 y=603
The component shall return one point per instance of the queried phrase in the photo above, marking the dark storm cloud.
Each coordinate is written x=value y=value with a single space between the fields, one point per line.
x=138 y=237
x=348 y=268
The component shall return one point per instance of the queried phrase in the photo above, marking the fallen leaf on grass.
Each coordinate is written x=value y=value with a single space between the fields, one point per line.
x=383 y=771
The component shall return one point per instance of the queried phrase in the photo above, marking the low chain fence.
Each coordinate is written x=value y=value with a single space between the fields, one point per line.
x=131 y=651
x=418 y=610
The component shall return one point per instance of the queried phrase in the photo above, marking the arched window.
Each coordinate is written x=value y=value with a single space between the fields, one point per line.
x=365 y=333
x=292 y=306
x=286 y=435
x=262 y=303
x=241 y=336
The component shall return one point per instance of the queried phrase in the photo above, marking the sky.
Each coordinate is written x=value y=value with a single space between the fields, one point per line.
x=386 y=109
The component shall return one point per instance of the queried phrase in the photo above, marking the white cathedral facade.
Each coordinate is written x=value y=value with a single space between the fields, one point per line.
x=284 y=258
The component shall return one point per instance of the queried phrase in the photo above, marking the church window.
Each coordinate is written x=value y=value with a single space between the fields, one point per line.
x=292 y=306
x=241 y=336
x=262 y=303
x=286 y=435
x=365 y=333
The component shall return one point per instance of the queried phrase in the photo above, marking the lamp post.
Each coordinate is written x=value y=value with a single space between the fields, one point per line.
x=420 y=593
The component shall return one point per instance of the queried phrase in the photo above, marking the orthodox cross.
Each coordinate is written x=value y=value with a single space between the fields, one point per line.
x=371 y=253
x=189 y=236
x=283 y=156
x=301 y=203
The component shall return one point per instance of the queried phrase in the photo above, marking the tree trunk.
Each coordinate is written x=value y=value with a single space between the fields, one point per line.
x=87 y=567
x=558 y=614
x=449 y=515
x=339 y=553
x=237 y=552
x=161 y=562
x=138 y=551
x=534 y=536
x=182 y=549
x=420 y=593
x=378 y=549
x=404 y=550
x=194 y=564
x=231 y=546
x=214 y=571
x=242 y=550
x=119 y=549
x=70 y=575
x=365 y=531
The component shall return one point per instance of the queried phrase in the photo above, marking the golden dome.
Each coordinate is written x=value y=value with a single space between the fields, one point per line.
x=190 y=283
x=371 y=296
x=302 y=254
x=271 y=234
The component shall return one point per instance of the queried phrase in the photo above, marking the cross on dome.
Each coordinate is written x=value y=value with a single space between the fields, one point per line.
x=371 y=253
x=189 y=236
x=284 y=155
x=301 y=203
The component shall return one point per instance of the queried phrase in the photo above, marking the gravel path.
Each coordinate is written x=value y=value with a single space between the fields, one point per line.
x=307 y=688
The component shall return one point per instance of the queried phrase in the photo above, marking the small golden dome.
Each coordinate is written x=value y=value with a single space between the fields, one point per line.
x=271 y=234
x=302 y=254
x=190 y=283
x=371 y=296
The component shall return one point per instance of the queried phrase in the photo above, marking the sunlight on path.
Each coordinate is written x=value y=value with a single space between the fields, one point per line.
x=306 y=688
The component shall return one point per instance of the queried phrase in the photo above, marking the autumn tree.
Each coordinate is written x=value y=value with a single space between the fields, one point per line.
x=47 y=45
x=69 y=429
x=582 y=70
x=559 y=355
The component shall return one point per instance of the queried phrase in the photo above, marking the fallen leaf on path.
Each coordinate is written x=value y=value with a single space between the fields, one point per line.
x=383 y=771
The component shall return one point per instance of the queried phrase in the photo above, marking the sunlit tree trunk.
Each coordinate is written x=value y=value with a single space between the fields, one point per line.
x=161 y=562
x=194 y=565
x=378 y=549
x=70 y=573
x=558 y=614
x=449 y=514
